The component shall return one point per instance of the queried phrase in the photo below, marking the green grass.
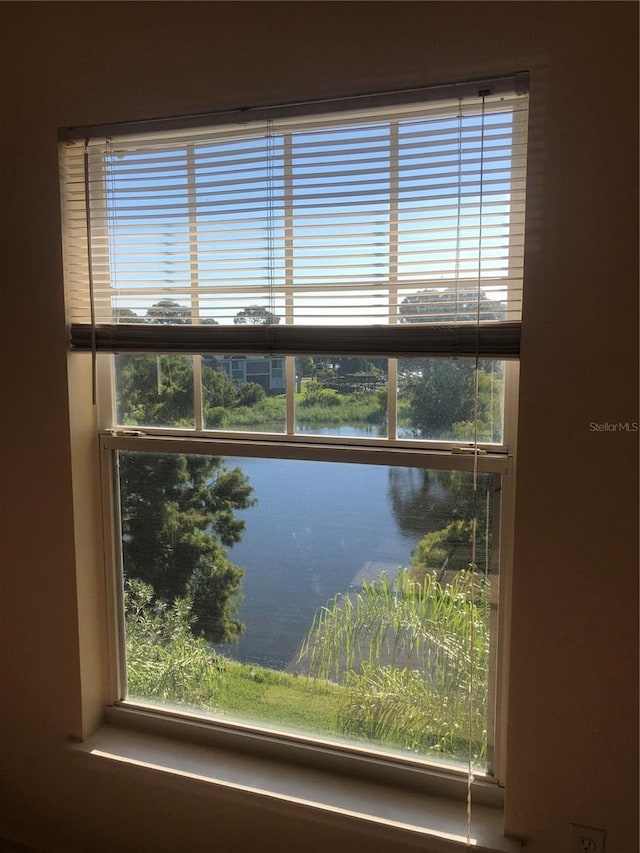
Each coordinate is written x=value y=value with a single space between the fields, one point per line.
x=350 y=409
x=268 y=413
x=279 y=699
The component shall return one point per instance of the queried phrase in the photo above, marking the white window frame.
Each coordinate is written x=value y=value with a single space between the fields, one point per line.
x=425 y=455
x=497 y=459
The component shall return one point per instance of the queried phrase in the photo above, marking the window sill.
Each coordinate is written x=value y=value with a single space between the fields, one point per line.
x=437 y=821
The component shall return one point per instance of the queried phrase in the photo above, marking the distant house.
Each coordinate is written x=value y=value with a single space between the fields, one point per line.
x=267 y=371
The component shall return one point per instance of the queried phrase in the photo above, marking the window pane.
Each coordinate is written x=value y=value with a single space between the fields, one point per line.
x=436 y=399
x=333 y=599
x=341 y=396
x=244 y=392
x=154 y=390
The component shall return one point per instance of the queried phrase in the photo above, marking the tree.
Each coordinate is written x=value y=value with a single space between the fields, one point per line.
x=305 y=365
x=126 y=315
x=154 y=390
x=167 y=312
x=440 y=393
x=157 y=390
x=177 y=511
x=177 y=516
x=440 y=507
x=220 y=394
x=256 y=315
x=442 y=305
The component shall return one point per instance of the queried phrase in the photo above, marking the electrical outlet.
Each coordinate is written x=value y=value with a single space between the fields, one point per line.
x=586 y=839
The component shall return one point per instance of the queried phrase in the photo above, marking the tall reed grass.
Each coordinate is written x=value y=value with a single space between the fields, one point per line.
x=413 y=660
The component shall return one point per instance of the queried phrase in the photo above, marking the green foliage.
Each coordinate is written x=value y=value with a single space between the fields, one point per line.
x=222 y=396
x=154 y=390
x=165 y=662
x=413 y=658
x=177 y=513
x=445 y=501
x=268 y=414
x=126 y=315
x=490 y=403
x=305 y=365
x=446 y=549
x=441 y=393
x=440 y=396
x=250 y=394
x=157 y=390
x=358 y=364
x=314 y=394
x=441 y=399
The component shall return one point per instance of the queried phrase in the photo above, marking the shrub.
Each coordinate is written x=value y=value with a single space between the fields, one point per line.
x=165 y=661
x=313 y=394
x=250 y=394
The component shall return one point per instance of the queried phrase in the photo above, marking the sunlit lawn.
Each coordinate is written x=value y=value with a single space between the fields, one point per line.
x=276 y=698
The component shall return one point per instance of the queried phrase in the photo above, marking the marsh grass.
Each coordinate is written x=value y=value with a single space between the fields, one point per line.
x=413 y=660
x=333 y=409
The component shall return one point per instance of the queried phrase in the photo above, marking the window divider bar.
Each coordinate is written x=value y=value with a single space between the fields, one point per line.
x=392 y=399
x=290 y=392
x=366 y=454
x=110 y=499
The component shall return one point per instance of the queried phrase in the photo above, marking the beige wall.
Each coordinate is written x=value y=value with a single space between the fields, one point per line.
x=572 y=732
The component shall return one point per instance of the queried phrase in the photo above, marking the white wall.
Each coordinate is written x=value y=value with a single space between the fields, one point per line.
x=572 y=730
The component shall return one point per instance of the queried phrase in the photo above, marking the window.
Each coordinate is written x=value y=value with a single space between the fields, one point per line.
x=304 y=330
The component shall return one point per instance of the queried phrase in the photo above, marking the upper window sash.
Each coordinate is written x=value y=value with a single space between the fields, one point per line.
x=385 y=217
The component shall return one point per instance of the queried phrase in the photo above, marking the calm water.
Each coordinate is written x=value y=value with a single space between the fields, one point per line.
x=318 y=529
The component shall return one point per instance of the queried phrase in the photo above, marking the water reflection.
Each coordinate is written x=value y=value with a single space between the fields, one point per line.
x=320 y=528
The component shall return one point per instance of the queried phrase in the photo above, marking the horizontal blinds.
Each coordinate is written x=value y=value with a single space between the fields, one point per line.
x=376 y=217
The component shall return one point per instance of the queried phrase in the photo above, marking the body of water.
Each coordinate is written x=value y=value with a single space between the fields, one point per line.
x=318 y=529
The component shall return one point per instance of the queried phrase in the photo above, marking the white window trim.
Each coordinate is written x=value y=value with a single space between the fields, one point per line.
x=142 y=745
x=140 y=740
x=495 y=463
x=182 y=754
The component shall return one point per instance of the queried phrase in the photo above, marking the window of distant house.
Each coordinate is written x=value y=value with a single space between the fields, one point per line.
x=306 y=331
